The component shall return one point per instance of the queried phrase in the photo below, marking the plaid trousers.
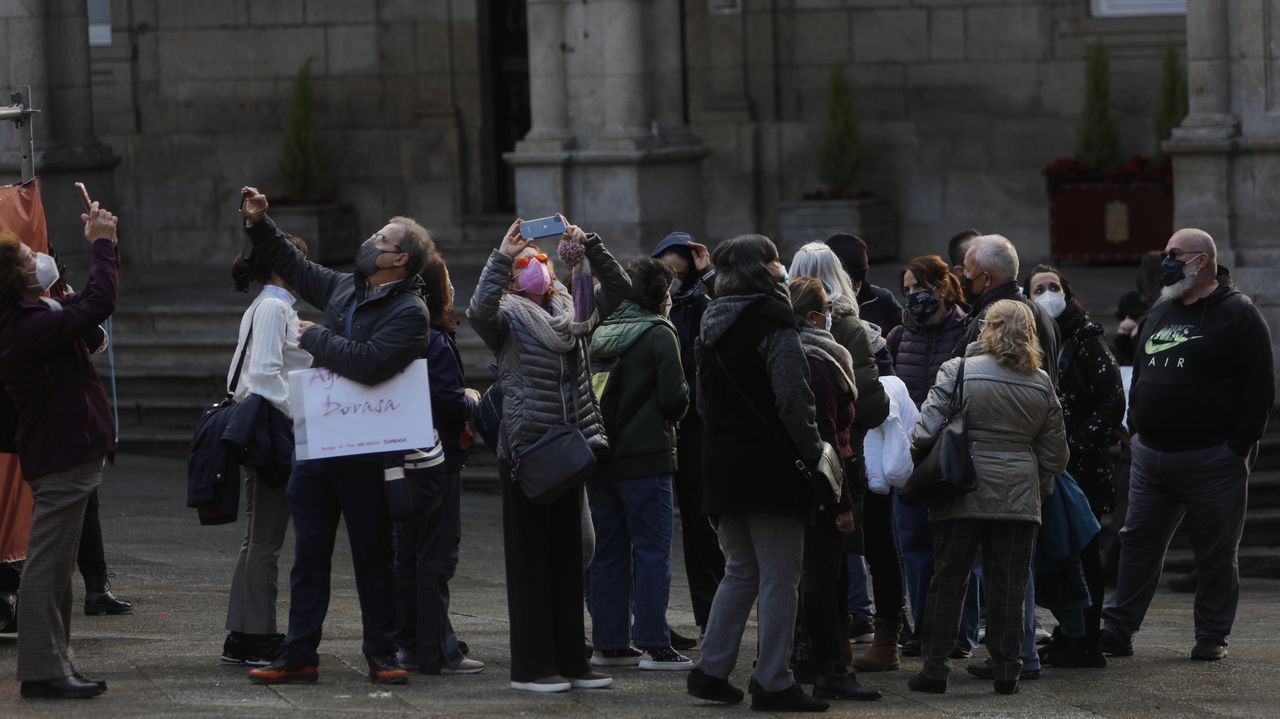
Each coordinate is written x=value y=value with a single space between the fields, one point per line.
x=1007 y=548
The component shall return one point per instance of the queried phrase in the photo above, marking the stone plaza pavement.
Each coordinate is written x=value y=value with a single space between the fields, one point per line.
x=162 y=661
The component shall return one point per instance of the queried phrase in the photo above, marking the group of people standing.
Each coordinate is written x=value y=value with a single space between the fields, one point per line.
x=722 y=382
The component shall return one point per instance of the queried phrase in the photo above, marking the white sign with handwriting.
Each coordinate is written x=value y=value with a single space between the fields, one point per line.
x=336 y=417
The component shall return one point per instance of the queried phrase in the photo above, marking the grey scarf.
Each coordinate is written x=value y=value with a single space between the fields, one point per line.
x=820 y=344
x=556 y=329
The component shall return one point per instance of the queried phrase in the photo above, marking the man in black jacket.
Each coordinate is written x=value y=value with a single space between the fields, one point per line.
x=375 y=324
x=875 y=304
x=1203 y=387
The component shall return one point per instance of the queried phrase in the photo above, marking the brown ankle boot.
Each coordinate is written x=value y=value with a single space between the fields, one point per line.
x=883 y=655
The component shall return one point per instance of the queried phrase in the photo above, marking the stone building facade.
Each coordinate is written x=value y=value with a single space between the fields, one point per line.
x=634 y=117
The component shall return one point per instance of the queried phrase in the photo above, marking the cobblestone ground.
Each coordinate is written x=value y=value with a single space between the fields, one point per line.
x=162 y=660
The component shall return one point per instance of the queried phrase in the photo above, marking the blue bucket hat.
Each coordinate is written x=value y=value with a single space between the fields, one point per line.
x=675 y=239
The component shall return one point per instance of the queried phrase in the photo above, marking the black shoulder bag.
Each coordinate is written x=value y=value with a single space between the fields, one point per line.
x=946 y=473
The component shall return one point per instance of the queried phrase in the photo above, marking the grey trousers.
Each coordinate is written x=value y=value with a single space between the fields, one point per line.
x=1208 y=486
x=251 y=608
x=764 y=556
x=45 y=597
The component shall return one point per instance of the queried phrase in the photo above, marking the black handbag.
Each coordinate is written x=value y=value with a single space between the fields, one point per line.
x=561 y=459
x=946 y=473
x=825 y=481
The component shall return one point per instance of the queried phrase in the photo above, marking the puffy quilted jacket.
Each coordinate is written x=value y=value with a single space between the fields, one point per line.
x=919 y=351
x=542 y=388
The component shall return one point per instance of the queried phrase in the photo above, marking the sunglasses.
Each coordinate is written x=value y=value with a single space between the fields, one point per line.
x=523 y=260
x=1176 y=253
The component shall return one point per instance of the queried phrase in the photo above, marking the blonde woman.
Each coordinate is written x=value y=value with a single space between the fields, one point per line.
x=1018 y=446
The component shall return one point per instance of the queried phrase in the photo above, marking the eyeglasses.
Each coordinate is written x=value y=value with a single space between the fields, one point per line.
x=379 y=238
x=523 y=260
x=1175 y=253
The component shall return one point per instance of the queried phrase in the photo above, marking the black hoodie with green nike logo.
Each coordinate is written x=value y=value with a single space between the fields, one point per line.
x=1203 y=373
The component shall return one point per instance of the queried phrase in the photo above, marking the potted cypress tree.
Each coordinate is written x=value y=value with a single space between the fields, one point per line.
x=1102 y=209
x=840 y=206
x=307 y=207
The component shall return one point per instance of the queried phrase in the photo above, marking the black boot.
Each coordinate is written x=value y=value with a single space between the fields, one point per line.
x=840 y=684
x=1074 y=653
x=791 y=699
x=98 y=598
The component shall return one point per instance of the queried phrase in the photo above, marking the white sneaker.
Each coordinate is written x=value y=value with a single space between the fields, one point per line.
x=591 y=680
x=665 y=659
x=466 y=666
x=545 y=685
x=626 y=657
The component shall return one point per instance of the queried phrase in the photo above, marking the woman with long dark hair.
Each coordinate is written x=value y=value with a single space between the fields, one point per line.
x=1092 y=397
x=268 y=342
x=426 y=548
x=530 y=324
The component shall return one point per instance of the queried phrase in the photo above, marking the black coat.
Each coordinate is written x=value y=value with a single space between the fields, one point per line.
x=1092 y=397
x=879 y=307
x=687 y=309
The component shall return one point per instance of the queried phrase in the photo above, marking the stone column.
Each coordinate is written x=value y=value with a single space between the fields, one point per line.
x=622 y=51
x=548 y=101
x=1208 y=71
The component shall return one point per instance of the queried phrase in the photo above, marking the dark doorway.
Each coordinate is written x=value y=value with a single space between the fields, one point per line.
x=506 y=47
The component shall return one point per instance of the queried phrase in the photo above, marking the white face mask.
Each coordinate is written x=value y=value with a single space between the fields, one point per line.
x=1055 y=303
x=46 y=272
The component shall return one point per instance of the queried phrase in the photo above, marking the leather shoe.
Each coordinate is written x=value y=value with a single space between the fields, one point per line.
x=384 y=669
x=984 y=671
x=100 y=682
x=104 y=602
x=64 y=688
x=1209 y=650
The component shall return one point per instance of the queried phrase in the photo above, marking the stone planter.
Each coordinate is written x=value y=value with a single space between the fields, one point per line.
x=873 y=219
x=1108 y=222
x=330 y=229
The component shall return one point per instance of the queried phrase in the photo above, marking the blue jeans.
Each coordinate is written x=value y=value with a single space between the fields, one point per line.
x=915 y=535
x=633 y=520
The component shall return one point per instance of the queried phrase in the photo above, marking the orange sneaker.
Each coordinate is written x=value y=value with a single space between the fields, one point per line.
x=285 y=669
x=384 y=669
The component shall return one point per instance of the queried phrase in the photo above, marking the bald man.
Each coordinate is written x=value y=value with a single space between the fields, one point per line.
x=1203 y=387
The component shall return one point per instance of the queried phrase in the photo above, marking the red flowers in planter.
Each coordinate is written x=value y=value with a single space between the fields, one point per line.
x=1137 y=169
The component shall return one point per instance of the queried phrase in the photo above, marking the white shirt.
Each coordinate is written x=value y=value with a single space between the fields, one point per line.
x=273 y=351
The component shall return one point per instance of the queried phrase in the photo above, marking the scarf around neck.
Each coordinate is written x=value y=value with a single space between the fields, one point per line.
x=553 y=327
x=821 y=345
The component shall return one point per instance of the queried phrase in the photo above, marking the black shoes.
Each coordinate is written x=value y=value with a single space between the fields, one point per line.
x=1006 y=686
x=1111 y=643
x=99 y=600
x=72 y=687
x=1209 y=650
x=791 y=699
x=713 y=689
x=254 y=650
x=384 y=669
x=984 y=671
x=840 y=684
x=1072 y=653
x=286 y=669
x=680 y=642
x=928 y=685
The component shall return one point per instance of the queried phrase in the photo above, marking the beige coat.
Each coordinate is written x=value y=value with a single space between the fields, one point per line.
x=1015 y=427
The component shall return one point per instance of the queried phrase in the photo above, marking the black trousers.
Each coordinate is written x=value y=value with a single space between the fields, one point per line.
x=426 y=558
x=92 y=557
x=703 y=560
x=880 y=548
x=1096 y=579
x=1007 y=548
x=821 y=595
x=321 y=491
x=543 y=544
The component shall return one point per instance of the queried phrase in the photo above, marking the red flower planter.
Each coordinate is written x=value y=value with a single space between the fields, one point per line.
x=1108 y=222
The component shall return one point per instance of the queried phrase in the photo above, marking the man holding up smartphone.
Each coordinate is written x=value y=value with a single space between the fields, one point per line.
x=375 y=324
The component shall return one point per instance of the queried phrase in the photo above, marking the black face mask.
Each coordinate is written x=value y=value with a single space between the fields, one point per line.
x=1172 y=271
x=966 y=284
x=367 y=258
x=921 y=305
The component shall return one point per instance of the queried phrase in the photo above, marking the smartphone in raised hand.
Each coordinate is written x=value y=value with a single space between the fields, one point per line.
x=542 y=227
x=84 y=196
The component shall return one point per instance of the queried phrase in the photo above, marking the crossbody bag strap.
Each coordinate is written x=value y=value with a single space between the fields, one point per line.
x=235 y=376
x=800 y=465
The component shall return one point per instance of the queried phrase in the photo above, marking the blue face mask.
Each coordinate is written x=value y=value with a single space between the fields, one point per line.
x=1173 y=271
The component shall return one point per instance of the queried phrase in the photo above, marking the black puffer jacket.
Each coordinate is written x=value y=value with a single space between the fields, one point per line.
x=1092 y=397
x=919 y=351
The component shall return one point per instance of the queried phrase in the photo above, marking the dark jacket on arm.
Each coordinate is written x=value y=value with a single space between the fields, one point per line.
x=64 y=419
x=388 y=327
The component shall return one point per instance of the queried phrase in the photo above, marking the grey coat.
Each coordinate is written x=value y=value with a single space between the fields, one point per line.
x=541 y=388
x=1015 y=427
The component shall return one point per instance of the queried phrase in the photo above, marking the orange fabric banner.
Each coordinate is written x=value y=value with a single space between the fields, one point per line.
x=21 y=213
